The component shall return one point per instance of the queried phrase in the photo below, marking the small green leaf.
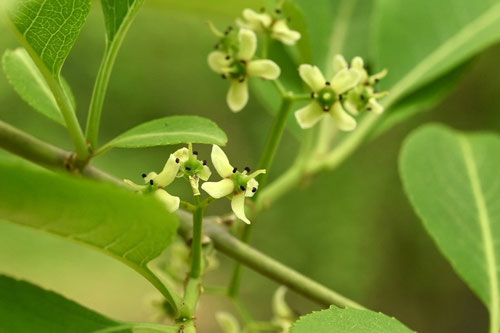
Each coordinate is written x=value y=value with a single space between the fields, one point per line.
x=25 y=307
x=130 y=227
x=335 y=320
x=170 y=131
x=49 y=28
x=451 y=179
x=29 y=83
x=118 y=14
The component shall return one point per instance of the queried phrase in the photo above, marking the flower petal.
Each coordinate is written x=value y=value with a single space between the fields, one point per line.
x=375 y=106
x=266 y=69
x=218 y=62
x=263 y=20
x=238 y=207
x=345 y=80
x=342 y=119
x=182 y=154
x=312 y=76
x=218 y=189
x=237 y=96
x=150 y=176
x=134 y=185
x=169 y=172
x=248 y=44
x=282 y=32
x=251 y=185
x=339 y=63
x=170 y=201
x=358 y=63
x=309 y=115
x=351 y=108
x=221 y=162
x=205 y=173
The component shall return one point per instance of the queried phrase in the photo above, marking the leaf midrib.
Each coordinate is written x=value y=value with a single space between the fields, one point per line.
x=459 y=39
x=484 y=223
x=149 y=135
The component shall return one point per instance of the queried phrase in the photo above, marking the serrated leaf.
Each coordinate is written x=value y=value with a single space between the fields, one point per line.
x=452 y=181
x=453 y=32
x=118 y=14
x=49 y=28
x=335 y=320
x=25 y=307
x=170 y=131
x=130 y=227
x=29 y=83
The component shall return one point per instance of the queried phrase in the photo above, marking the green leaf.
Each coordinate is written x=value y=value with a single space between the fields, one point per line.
x=297 y=22
x=130 y=227
x=29 y=83
x=453 y=32
x=170 y=131
x=25 y=307
x=118 y=14
x=335 y=320
x=49 y=28
x=452 y=181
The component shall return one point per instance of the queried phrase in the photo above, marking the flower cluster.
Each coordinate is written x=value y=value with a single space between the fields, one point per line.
x=349 y=91
x=184 y=163
x=235 y=55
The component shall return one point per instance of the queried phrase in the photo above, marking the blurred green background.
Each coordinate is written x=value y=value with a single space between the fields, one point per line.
x=352 y=230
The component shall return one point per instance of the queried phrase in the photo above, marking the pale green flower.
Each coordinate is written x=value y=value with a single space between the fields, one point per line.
x=363 y=96
x=191 y=168
x=227 y=322
x=236 y=185
x=327 y=97
x=277 y=27
x=240 y=67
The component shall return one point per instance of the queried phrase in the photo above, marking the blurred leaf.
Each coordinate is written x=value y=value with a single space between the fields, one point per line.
x=29 y=83
x=118 y=14
x=170 y=131
x=25 y=307
x=335 y=320
x=452 y=32
x=297 y=21
x=421 y=100
x=49 y=28
x=452 y=182
x=129 y=227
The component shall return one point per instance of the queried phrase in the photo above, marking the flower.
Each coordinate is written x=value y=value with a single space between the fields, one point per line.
x=240 y=66
x=156 y=182
x=363 y=96
x=277 y=27
x=327 y=97
x=234 y=184
x=192 y=168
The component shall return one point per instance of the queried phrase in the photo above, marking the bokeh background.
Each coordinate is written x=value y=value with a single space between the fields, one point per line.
x=352 y=230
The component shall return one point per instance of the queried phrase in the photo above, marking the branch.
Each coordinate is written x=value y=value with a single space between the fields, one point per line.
x=35 y=150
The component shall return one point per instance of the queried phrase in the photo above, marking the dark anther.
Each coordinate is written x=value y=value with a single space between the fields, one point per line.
x=368 y=109
x=278 y=11
x=151 y=182
x=143 y=175
x=228 y=57
x=247 y=169
x=243 y=61
x=226 y=32
x=235 y=169
x=326 y=109
x=241 y=80
x=254 y=189
x=312 y=94
x=188 y=168
x=242 y=188
x=195 y=153
x=341 y=97
x=204 y=162
x=230 y=28
x=362 y=97
x=217 y=46
x=327 y=83
x=177 y=160
x=224 y=76
x=262 y=9
x=376 y=80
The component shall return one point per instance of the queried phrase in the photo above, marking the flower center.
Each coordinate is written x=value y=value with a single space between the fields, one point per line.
x=238 y=69
x=326 y=97
x=240 y=182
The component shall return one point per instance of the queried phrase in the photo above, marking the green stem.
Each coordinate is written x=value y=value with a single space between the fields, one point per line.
x=273 y=141
x=104 y=74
